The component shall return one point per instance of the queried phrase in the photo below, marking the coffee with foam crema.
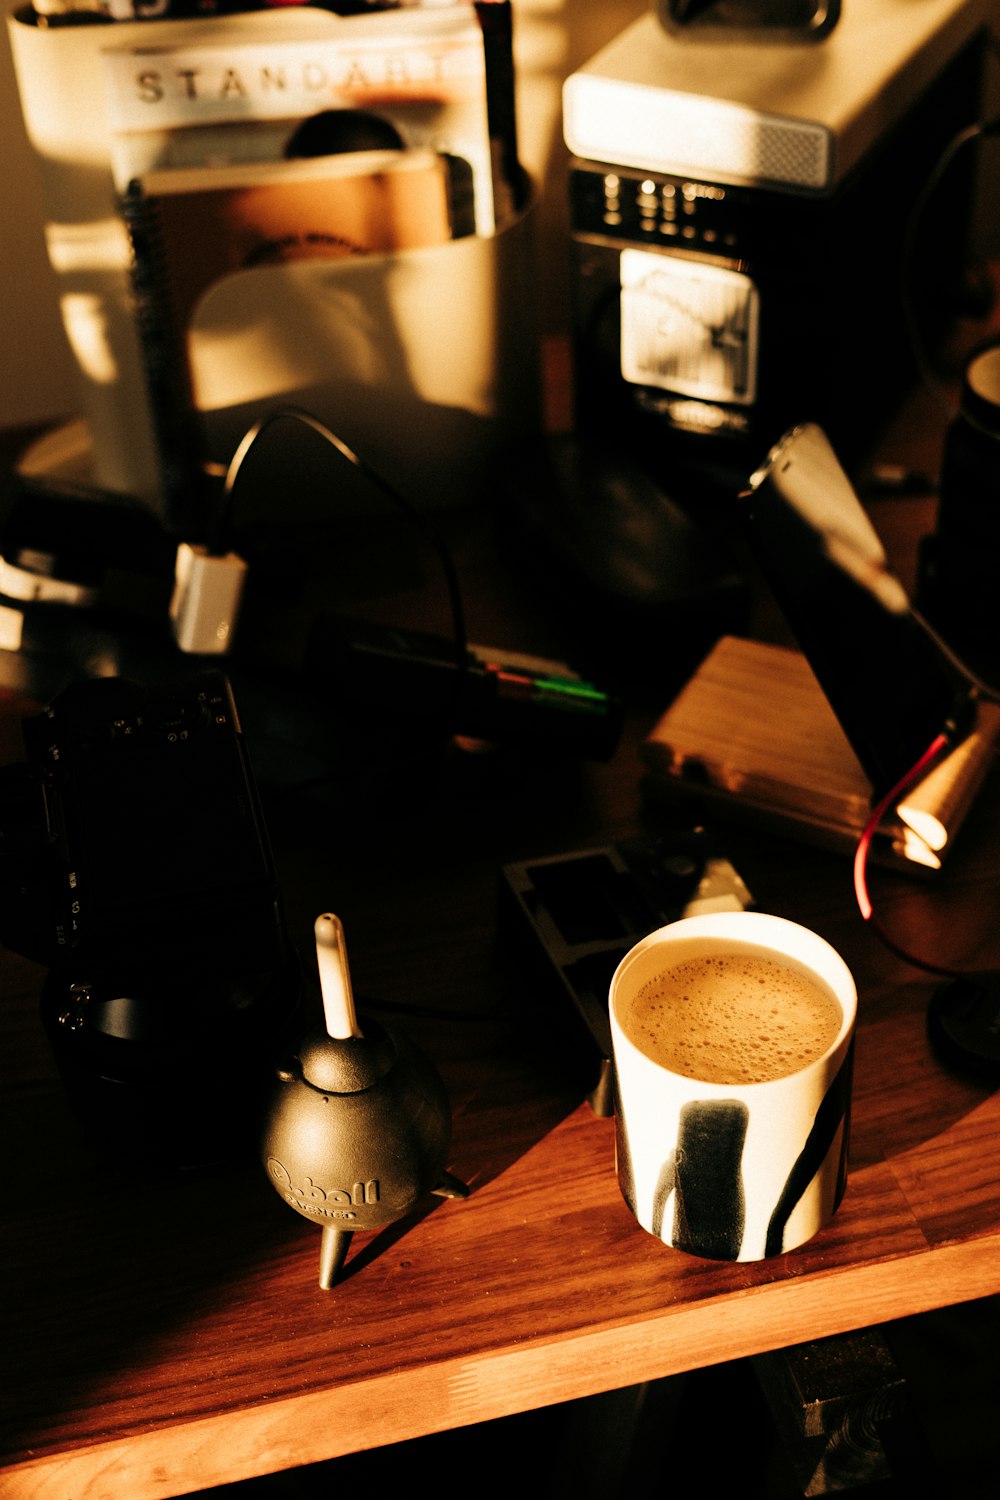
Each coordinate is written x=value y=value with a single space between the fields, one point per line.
x=734 y=1015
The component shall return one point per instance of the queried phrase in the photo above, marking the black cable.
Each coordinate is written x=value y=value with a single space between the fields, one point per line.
x=984 y=689
x=224 y=528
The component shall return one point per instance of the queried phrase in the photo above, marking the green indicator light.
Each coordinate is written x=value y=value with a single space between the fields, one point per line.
x=586 y=695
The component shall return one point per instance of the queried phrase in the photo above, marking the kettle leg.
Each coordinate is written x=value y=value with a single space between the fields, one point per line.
x=332 y=1254
x=450 y=1186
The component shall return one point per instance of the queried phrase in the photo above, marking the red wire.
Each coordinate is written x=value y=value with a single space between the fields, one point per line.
x=938 y=744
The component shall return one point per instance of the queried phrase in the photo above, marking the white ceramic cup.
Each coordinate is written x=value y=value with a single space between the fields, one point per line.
x=717 y=1165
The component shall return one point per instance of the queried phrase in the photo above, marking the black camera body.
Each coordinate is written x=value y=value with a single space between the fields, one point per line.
x=135 y=865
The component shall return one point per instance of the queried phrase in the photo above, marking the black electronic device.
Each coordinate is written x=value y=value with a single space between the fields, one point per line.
x=889 y=682
x=566 y=922
x=740 y=227
x=136 y=867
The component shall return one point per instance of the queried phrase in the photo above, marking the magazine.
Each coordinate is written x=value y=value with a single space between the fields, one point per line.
x=426 y=78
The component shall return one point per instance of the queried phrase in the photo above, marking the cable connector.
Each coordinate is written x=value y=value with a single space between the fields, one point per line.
x=208 y=591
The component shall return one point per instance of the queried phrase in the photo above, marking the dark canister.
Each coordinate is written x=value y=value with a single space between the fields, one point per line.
x=961 y=562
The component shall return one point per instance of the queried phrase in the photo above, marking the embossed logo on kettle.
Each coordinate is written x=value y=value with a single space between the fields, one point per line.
x=326 y=1203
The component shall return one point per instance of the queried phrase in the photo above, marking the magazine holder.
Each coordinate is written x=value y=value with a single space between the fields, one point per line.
x=423 y=360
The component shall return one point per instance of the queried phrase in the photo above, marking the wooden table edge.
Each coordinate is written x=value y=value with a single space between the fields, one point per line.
x=373 y=1412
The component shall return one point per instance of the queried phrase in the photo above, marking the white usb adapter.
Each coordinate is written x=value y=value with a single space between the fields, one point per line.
x=208 y=591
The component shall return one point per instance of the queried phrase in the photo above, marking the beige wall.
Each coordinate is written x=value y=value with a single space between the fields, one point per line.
x=553 y=37
x=36 y=377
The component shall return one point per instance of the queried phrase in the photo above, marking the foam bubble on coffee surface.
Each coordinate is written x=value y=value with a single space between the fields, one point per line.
x=734 y=1018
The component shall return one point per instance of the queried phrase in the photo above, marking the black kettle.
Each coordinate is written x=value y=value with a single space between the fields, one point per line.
x=358 y=1125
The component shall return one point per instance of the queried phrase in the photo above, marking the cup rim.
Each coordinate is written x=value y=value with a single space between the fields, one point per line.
x=728 y=924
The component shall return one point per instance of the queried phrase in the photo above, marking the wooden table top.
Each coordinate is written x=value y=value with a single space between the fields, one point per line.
x=160 y=1337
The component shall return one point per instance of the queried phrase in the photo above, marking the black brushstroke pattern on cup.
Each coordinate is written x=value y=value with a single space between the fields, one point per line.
x=831 y=1112
x=703 y=1172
